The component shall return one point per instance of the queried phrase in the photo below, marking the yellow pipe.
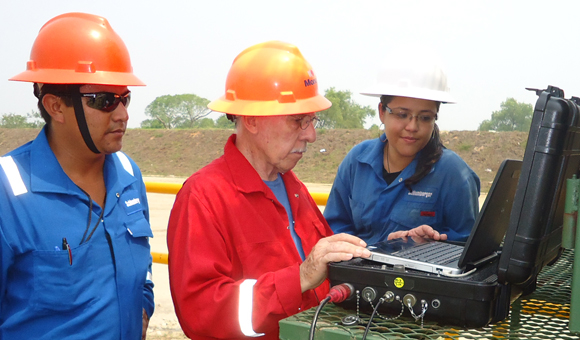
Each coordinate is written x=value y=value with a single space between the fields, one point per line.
x=319 y=197
x=159 y=258
x=163 y=188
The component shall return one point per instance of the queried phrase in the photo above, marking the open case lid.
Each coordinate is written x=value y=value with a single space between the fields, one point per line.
x=551 y=157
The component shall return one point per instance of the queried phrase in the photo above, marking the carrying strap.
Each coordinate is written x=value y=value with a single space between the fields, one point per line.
x=82 y=122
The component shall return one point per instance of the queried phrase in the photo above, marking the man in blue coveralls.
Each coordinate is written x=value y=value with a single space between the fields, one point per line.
x=74 y=231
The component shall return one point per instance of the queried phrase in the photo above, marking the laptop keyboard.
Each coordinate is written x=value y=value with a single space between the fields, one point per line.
x=433 y=252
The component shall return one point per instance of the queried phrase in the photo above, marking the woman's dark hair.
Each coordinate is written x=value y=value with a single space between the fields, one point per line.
x=430 y=154
x=61 y=90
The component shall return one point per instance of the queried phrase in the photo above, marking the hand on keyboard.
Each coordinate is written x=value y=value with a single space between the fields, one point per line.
x=419 y=234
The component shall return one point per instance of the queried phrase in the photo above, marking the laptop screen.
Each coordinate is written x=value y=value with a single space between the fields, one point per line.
x=493 y=221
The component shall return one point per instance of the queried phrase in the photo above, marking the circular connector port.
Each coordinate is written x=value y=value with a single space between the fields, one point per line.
x=369 y=294
x=436 y=303
x=409 y=300
x=350 y=320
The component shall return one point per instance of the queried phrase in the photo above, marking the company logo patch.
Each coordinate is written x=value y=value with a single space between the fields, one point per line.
x=421 y=194
x=132 y=202
x=310 y=82
x=311 y=73
x=428 y=213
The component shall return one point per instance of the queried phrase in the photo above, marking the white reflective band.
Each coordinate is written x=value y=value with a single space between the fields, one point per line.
x=13 y=175
x=149 y=277
x=125 y=162
x=245 y=308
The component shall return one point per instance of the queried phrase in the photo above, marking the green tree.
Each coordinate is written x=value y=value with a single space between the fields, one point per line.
x=205 y=123
x=151 y=124
x=15 y=121
x=224 y=123
x=344 y=112
x=177 y=111
x=513 y=116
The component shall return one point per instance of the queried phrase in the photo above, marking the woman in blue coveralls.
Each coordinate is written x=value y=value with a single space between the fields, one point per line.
x=405 y=183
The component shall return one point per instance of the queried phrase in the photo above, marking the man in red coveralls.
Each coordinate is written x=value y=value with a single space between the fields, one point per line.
x=247 y=244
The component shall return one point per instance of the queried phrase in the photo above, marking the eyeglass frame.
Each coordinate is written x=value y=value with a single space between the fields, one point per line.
x=398 y=116
x=304 y=122
x=125 y=99
x=118 y=99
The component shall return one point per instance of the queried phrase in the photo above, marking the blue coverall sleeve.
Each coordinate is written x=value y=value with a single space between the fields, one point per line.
x=461 y=205
x=337 y=212
x=6 y=259
x=148 y=303
x=148 y=299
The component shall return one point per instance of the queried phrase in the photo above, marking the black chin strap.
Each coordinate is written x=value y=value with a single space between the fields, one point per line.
x=82 y=122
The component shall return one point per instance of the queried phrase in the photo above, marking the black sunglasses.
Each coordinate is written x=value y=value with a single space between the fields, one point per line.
x=107 y=101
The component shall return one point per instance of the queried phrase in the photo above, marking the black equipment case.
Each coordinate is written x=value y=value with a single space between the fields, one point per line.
x=533 y=238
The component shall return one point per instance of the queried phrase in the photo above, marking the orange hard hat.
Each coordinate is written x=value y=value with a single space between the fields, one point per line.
x=79 y=48
x=270 y=79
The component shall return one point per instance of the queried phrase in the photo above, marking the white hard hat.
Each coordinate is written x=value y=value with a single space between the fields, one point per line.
x=411 y=78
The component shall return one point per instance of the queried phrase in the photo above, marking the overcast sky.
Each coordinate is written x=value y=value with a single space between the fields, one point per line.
x=491 y=50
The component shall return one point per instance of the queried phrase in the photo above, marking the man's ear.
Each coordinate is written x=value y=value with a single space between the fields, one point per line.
x=54 y=106
x=250 y=123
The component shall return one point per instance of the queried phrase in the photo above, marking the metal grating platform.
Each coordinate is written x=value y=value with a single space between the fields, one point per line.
x=541 y=315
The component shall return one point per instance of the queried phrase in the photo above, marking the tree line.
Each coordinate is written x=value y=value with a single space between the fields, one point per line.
x=188 y=111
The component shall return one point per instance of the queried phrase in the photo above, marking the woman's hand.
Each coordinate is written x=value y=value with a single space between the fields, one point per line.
x=419 y=234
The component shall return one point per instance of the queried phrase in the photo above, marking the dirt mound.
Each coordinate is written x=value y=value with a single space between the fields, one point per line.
x=182 y=152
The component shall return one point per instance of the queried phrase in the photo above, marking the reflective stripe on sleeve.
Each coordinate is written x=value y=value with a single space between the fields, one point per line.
x=245 y=308
x=149 y=277
x=13 y=175
x=125 y=162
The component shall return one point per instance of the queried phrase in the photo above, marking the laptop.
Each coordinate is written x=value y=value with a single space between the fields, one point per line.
x=482 y=246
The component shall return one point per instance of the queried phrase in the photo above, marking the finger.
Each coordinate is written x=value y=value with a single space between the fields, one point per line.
x=337 y=257
x=425 y=230
x=397 y=234
x=347 y=238
x=340 y=251
x=348 y=248
x=435 y=235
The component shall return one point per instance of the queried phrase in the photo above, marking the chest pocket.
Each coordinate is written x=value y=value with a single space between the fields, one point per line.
x=60 y=286
x=138 y=233
x=417 y=208
x=361 y=214
x=139 y=227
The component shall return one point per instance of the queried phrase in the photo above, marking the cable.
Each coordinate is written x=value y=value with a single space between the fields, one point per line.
x=459 y=275
x=381 y=300
x=340 y=292
x=313 y=326
x=336 y=294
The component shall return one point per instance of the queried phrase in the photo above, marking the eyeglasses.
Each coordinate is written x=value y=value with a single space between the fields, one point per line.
x=402 y=116
x=305 y=121
x=107 y=101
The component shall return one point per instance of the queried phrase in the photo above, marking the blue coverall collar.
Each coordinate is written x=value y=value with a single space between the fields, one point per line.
x=48 y=176
x=374 y=158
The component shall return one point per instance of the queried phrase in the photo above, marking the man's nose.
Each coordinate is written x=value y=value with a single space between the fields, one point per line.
x=309 y=134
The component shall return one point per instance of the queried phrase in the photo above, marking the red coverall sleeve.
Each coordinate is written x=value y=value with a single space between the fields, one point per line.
x=205 y=276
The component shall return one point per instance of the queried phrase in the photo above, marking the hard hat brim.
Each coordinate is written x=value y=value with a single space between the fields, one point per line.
x=269 y=108
x=59 y=76
x=410 y=92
